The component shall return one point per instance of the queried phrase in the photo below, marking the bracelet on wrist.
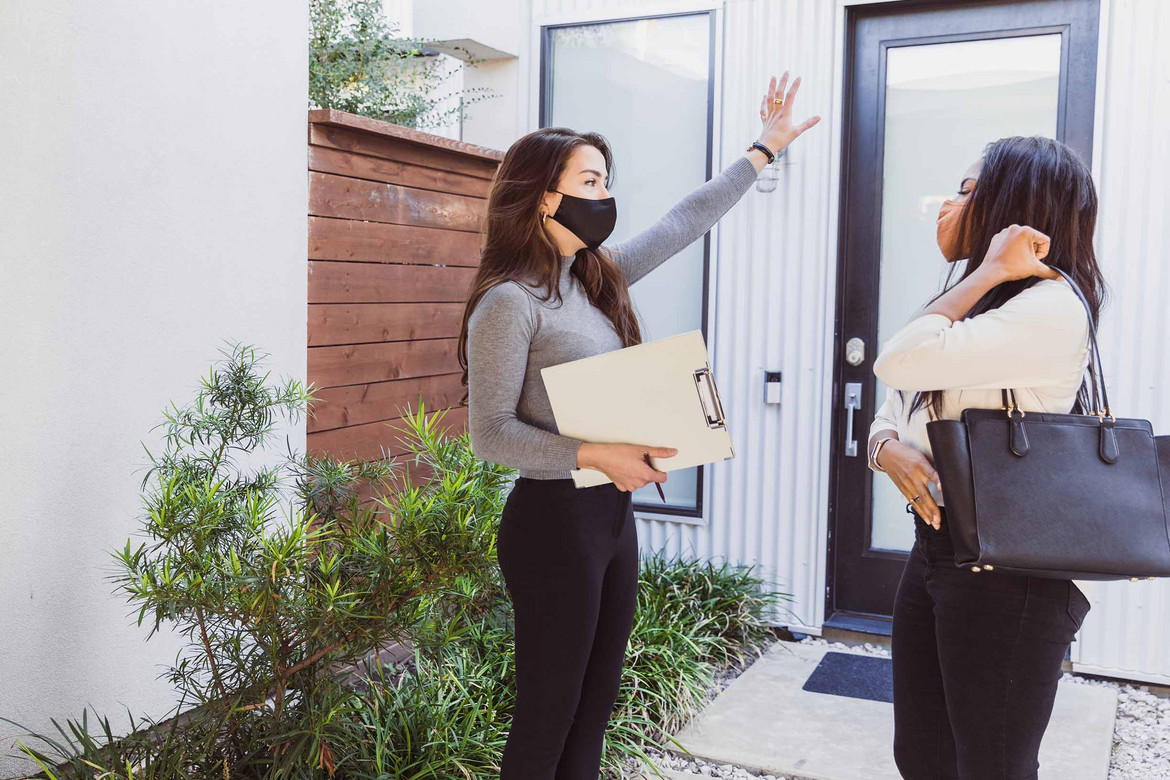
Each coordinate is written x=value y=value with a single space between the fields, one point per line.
x=873 y=455
x=763 y=148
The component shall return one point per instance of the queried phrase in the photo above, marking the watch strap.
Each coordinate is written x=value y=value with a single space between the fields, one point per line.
x=767 y=152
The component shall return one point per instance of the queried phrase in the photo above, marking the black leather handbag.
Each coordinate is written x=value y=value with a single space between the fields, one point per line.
x=1068 y=496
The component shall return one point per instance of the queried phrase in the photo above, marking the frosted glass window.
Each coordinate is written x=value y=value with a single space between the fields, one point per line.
x=644 y=85
x=944 y=102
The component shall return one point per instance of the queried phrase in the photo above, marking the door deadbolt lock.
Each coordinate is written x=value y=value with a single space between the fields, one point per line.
x=855 y=351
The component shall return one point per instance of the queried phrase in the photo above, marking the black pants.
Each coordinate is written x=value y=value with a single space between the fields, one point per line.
x=976 y=661
x=569 y=557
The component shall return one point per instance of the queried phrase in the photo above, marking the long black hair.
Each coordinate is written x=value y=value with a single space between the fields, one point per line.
x=1042 y=183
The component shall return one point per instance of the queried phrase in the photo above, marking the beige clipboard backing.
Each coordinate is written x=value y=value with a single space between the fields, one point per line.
x=660 y=394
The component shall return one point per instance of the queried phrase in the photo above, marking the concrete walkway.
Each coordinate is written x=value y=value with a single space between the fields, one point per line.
x=765 y=722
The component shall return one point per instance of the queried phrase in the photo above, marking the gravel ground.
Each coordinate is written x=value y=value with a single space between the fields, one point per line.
x=1141 y=732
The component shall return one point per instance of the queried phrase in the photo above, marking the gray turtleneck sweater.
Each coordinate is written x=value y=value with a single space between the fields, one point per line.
x=512 y=335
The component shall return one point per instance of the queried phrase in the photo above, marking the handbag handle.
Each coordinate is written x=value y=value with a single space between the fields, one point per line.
x=1100 y=399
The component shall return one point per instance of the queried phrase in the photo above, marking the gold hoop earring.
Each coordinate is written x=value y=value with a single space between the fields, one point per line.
x=543 y=217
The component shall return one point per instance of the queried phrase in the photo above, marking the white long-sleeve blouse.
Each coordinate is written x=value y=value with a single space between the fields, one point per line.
x=1037 y=344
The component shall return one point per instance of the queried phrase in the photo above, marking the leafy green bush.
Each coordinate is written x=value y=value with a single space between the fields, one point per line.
x=443 y=717
x=357 y=63
x=270 y=606
x=275 y=607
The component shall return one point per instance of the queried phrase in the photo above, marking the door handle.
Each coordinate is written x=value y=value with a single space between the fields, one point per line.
x=852 y=403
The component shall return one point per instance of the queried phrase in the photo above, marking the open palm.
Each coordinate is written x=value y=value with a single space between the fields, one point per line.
x=779 y=130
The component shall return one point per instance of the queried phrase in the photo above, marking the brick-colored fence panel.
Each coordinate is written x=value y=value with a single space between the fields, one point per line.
x=394 y=221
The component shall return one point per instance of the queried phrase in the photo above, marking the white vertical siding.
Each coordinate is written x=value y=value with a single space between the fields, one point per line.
x=770 y=304
x=1127 y=632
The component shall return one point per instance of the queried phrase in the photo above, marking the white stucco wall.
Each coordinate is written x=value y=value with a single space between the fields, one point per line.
x=153 y=205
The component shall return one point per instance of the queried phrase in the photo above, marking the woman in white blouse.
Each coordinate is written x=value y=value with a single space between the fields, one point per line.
x=977 y=655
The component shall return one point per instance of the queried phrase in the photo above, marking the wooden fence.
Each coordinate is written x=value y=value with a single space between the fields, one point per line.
x=394 y=220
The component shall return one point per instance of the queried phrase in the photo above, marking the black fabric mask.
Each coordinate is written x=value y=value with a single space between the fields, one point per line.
x=589 y=220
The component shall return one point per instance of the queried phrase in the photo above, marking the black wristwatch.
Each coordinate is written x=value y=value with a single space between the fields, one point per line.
x=767 y=152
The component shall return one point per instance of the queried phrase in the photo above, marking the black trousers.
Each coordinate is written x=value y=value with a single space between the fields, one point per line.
x=569 y=557
x=976 y=661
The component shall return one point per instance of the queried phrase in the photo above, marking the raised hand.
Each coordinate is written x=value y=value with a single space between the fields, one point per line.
x=776 y=113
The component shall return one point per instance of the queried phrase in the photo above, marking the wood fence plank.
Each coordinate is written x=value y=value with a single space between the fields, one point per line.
x=372 y=440
x=358 y=142
x=341 y=196
x=359 y=166
x=334 y=282
x=381 y=242
x=359 y=364
x=338 y=407
x=359 y=323
x=333 y=117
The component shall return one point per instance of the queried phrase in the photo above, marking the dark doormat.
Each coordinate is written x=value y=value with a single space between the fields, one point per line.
x=849 y=674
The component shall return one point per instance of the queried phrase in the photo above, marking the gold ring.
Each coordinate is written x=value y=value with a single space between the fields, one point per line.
x=916 y=497
x=778 y=101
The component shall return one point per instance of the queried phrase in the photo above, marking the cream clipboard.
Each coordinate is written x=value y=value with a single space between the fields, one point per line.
x=661 y=393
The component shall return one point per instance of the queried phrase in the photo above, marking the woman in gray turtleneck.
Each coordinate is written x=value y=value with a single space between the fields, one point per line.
x=570 y=555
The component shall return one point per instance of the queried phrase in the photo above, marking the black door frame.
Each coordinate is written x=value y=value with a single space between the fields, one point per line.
x=861 y=581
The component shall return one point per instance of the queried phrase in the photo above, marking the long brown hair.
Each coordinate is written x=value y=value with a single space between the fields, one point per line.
x=514 y=245
x=1042 y=183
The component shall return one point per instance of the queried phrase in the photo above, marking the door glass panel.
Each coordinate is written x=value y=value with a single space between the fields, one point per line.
x=624 y=80
x=943 y=103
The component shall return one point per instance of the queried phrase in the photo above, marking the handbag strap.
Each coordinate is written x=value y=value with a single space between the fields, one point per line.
x=1100 y=399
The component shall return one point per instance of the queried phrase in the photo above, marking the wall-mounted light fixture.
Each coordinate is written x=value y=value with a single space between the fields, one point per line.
x=770 y=175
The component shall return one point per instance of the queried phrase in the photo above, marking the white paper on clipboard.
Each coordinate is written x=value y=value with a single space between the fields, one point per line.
x=659 y=394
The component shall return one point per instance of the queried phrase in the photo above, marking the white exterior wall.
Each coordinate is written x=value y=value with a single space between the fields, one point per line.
x=1127 y=633
x=774 y=311
x=155 y=201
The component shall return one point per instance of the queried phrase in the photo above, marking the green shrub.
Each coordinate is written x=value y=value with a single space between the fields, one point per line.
x=357 y=63
x=274 y=606
x=444 y=717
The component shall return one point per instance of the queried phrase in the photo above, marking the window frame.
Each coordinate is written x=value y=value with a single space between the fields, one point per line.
x=544 y=92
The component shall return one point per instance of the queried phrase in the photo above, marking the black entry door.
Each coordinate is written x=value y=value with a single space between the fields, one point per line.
x=927 y=86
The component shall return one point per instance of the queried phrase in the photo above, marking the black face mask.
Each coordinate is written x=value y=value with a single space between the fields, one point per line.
x=589 y=220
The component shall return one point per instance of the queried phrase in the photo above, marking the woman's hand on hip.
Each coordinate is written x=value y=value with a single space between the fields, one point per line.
x=623 y=463
x=1016 y=253
x=779 y=131
x=912 y=473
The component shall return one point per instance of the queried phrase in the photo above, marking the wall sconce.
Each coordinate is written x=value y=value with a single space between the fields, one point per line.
x=770 y=175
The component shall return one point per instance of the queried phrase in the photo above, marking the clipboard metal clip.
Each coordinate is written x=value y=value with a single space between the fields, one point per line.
x=709 y=398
